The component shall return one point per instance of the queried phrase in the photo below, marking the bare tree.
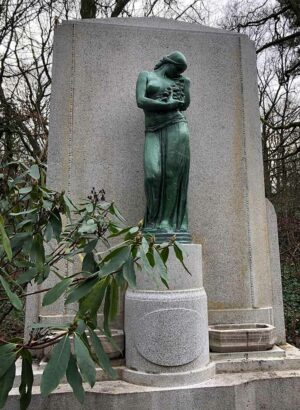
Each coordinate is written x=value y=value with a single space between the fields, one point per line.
x=26 y=35
x=25 y=77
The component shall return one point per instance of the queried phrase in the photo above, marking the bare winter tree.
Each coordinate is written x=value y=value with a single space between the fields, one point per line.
x=25 y=77
x=26 y=35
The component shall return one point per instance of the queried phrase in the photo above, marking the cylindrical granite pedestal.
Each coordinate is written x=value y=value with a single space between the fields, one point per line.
x=166 y=331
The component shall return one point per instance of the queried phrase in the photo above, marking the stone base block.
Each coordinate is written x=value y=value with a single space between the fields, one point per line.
x=166 y=331
x=169 y=379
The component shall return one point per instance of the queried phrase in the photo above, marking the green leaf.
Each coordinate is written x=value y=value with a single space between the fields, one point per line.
x=179 y=255
x=160 y=265
x=89 y=264
x=24 y=223
x=74 y=379
x=53 y=294
x=89 y=207
x=69 y=203
x=150 y=258
x=44 y=272
x=84 y=360
x=81 y=326
x=106 y=310
x=129 y=273
x=102 y=357
x=114 y=300
x=121 y=282
x=91 y=303
x=25 y=190
x=6 y=384
x=164 y=254
x=134 y=229
x=87 y=228
x=145 y=245
x=19 y=239
x=7 y=348
x=37 y=252
x=13 y=297
x=90 y=246
x=34 y=172
x=112 y=341
x=81 y=290
x=5 y=240
x=146 y=263
x=48 y=232
x=113 y=252
x=26 y=380
x=56 y=367
x=27 y=276
x=119 y=232
x=116 y=262
x=181 y=248
x=7 y=357
x=165 y=283
x=56 y=223
x=114 y=211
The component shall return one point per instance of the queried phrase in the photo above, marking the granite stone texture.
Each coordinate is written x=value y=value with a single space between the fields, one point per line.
x=241 y=338
x=240 y=391
x=97 y=133
x=166 y=331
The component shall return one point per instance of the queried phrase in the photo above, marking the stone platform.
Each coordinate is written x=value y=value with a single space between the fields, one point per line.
x=262 y=381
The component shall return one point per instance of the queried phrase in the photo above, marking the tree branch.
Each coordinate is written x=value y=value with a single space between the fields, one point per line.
x=278 y=41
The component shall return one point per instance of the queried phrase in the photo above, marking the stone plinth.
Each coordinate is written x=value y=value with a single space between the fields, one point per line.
x=166 y=331
x=97 y=136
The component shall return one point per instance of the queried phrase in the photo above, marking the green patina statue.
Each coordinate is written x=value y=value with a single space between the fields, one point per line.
x=163 y=94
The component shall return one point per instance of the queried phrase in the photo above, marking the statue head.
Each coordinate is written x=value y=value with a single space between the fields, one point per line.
x=175 y=62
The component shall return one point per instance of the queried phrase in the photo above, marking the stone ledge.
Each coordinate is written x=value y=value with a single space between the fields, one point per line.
x=258 y=390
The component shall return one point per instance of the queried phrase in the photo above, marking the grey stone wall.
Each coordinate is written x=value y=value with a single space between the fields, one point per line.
x=97 y=133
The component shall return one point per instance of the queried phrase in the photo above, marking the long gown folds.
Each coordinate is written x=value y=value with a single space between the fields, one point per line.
x=166 y=168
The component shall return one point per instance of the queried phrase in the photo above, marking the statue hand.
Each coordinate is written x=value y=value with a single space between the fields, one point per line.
x=174 y=104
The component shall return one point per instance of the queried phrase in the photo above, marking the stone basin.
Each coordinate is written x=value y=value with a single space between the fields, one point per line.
x=244 y=337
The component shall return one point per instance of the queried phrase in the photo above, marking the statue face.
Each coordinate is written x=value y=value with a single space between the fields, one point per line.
x=174 y=71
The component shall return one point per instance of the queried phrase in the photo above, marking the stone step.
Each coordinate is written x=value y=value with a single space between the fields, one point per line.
x=112 y=351
x=38 y=369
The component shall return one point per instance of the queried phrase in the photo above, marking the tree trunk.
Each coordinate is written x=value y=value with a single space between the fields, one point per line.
x=88 y=9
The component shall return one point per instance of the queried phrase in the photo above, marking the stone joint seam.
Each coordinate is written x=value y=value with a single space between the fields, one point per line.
x=71 y=123
x=245 y=169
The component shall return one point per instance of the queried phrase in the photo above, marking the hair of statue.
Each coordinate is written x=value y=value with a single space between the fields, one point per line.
x=168 y=60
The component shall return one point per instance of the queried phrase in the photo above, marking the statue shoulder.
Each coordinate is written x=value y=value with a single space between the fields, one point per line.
x=143 y=75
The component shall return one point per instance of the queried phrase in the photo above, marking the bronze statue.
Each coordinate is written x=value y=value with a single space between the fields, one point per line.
x=163 y=94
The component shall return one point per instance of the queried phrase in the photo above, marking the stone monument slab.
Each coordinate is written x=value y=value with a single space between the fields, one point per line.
x=97 y=137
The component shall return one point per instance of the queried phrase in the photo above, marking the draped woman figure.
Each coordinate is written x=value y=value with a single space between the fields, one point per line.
x=163 y=94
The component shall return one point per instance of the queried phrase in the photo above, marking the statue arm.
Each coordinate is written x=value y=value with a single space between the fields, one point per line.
x=187 y=98
x=148 y=104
